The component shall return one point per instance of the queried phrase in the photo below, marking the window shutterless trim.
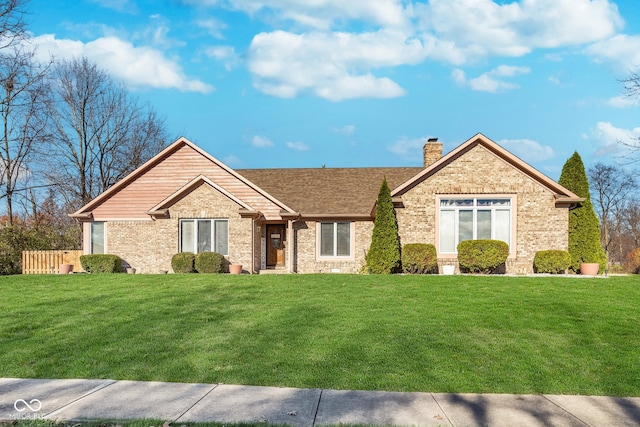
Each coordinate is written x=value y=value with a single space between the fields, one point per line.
x=319 y=255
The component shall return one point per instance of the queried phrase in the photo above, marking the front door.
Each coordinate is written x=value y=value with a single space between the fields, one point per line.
x=276 y=236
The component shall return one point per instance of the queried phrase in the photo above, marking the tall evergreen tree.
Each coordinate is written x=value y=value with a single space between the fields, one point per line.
x=384 y=253
x=584 y=228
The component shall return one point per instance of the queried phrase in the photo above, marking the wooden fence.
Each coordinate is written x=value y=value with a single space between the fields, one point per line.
x=48 y=262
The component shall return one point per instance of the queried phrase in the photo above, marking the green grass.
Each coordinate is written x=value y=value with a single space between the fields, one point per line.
x=405 y=333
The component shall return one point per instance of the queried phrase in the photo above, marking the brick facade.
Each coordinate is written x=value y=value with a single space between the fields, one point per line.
x=539 y=225
x=306 y=253
x=477 y=168
x=148 y=246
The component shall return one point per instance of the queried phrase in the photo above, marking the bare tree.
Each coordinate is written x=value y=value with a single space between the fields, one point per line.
x=631 y=90
x=611 y=188
x=99 y=132
x=12 y=25
x=23 y=97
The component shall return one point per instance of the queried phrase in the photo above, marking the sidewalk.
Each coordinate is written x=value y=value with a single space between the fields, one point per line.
x=76 y=400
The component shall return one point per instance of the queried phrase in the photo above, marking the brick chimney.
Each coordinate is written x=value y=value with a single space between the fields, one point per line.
x=432 y=151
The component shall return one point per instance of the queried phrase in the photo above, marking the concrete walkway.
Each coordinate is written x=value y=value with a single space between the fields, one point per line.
x=76 y=400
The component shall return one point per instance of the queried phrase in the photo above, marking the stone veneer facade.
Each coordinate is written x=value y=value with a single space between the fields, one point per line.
x=539 y=225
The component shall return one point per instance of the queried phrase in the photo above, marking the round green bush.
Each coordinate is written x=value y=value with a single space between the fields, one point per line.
x=183 y=262
x=482 y=256
x=210 y=262
x=552 y=261
x=419 y=258
x=101 y=263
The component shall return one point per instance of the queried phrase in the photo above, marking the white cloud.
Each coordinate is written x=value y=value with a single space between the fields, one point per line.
x=623 y=101
x=213 y=26
x=612 y=139
x=335 y=66
x=347 y=130
x=528 y=149
x=491 y=81
x=622 y=50
x=476 y=29
x=225 y=54
x=321 y=14
x=137 y=66
x=409 y=149
x=261 y=141
x=298 y=146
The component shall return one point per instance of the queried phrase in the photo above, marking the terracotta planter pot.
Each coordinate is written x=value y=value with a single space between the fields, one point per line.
x=589 y=268
x=65 y=268
x=235 y=268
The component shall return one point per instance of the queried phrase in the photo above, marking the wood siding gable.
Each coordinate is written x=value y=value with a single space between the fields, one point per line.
x=163 y=177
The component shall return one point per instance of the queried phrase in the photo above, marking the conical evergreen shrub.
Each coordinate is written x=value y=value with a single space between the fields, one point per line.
x=584 y=227
x=384 y=253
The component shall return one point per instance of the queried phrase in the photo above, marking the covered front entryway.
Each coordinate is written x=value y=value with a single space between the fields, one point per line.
x=276 y=243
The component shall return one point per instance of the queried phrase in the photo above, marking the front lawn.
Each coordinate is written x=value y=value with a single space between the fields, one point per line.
x=406 y=333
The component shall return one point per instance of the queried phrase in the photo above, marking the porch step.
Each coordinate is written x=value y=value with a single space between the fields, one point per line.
x=274 y=271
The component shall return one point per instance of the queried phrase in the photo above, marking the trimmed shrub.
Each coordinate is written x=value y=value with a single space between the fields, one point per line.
x=552 y=261
x=384 y=253
x=183 y=262
x=419 y=258
x=633 y=261
x=101 y=263
x=482 y=256
x=584 y=227
x=210 y=262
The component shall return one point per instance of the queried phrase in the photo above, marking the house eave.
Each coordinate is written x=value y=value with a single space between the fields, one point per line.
x=82 y=216
x=345 y=216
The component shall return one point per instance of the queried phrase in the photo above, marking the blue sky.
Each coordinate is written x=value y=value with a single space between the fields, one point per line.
x=302 y=83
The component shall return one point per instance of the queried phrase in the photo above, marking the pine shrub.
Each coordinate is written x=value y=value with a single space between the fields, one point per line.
x=210 y=262
x=552 y=261
x=482 y=256
x=584 y=227
x=183 y=262
x=384 y=253
x=419 y=258
x=101 y=263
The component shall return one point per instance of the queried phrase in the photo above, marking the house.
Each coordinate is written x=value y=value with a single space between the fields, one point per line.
x=321 y=220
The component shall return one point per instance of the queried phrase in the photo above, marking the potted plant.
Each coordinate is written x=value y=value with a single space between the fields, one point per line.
x=589 y=268
x=235 y=268
x=65 y=268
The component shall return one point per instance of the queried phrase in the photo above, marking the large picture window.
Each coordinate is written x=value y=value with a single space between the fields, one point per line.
x=204 y=235
x=473 y=219
x=335 y=239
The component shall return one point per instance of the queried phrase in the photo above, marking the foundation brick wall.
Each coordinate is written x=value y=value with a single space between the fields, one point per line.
x=149 y=245
x=539 y=224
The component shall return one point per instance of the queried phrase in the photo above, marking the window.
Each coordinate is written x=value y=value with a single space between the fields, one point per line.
x=335 y=239
x=473 y=219
x=204 y=235
x=97 y=237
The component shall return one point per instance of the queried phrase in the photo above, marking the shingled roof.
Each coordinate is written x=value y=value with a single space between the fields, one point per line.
x=328 y=191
